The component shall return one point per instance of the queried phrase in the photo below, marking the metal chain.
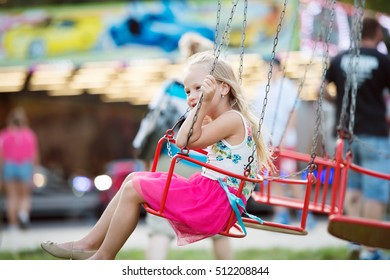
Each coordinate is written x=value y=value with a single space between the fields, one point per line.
x=358 y=24
x=321 y=95
x=281 y=86
x=217 y=54
x=267 y=87
x=224 y=37
x=301 y=84
x=300 y=87
x=169 y=149
x=346 y=122
x=217 y=25
x=359 y=8
x=226 y=42
x=169 y=133
x=243 y=36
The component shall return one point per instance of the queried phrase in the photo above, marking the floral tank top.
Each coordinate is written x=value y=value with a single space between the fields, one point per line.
x=233 y=158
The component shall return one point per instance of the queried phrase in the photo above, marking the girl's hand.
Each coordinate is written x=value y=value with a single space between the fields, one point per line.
x=209 y=88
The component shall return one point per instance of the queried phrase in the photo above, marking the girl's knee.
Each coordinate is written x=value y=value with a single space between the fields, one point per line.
x=128 y=178
x=130 y=192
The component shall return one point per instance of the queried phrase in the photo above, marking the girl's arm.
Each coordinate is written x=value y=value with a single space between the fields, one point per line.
x=182 y=136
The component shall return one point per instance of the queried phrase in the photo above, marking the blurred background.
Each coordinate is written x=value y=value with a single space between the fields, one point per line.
x=85 y=72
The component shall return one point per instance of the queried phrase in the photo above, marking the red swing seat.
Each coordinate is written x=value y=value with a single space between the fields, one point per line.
x=232 y=229
x=369 y=232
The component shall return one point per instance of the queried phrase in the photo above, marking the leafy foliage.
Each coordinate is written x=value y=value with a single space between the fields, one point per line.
x=382 y=6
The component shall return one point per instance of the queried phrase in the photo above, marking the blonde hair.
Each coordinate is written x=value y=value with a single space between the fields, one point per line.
x=223 y=72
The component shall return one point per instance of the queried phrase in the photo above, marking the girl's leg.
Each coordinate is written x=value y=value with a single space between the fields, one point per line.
x=24 y=204
x=12 y=203
x=94 y=238
x=122 y=224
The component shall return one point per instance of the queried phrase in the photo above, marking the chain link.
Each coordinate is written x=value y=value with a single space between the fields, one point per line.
x=281 y=87
x=331 y=7
x=267 y=87
x=243 y=37
x=169 y=133
x=346 y=122
x=217 y=25
x=217 y=54
x=359 y=10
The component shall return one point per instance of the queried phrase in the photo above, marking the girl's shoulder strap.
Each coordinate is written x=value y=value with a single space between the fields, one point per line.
x=244 y=121
x=239 y=113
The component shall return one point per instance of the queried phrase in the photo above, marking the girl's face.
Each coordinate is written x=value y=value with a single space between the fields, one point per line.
x=193 y=81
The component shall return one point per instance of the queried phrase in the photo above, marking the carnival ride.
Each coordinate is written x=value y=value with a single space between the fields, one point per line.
x=326 y=177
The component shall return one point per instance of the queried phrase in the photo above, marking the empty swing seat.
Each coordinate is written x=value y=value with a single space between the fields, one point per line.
x=361 y=231
x=369 y=232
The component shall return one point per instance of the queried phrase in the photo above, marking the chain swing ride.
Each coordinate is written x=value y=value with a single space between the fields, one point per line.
x=327 y=176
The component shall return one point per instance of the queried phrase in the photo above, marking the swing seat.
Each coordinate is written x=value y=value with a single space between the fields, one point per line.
x=368 y=232
x=359 y=230
x=275 y=227
x=325 y=178
x=232 y=229
x=235 y=231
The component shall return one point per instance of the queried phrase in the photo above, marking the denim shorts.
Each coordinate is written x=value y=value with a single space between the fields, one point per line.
x=371 y=153
x=17 y=172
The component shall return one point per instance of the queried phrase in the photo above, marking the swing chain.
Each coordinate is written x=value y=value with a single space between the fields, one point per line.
x=247 y=170
x=170 y=132
x=325 y=68
x=217 y=25
x=346 y=130
x=169 y=136
x=224 y=37
x=282 y=83
x=169 y=149
x=217 y=54
x=267 y=88
x=359 y=9
x=243 y=36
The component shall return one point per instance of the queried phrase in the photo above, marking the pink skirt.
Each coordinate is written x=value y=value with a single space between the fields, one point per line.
x=196 y=207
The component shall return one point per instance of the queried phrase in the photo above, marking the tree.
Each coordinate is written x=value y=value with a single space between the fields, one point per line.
x=382 y=6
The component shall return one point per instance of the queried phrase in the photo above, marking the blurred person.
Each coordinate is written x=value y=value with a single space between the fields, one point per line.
x=280 y=122
x=166 y=108
x=366 y=196
x=19 y=155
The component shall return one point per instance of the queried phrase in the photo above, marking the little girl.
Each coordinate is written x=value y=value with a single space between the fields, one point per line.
x=197 y=207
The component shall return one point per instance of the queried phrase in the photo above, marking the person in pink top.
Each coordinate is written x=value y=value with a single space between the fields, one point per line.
x=18 y=155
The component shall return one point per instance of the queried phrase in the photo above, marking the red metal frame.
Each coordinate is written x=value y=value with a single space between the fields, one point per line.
x=374 y=233
x=331 y=202
x=315 y=202
x=232 y=229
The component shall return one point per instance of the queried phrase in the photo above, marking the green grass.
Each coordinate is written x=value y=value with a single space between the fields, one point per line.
x=253 y=254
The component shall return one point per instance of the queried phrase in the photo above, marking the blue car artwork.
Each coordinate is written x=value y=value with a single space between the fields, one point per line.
x=155 y=29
